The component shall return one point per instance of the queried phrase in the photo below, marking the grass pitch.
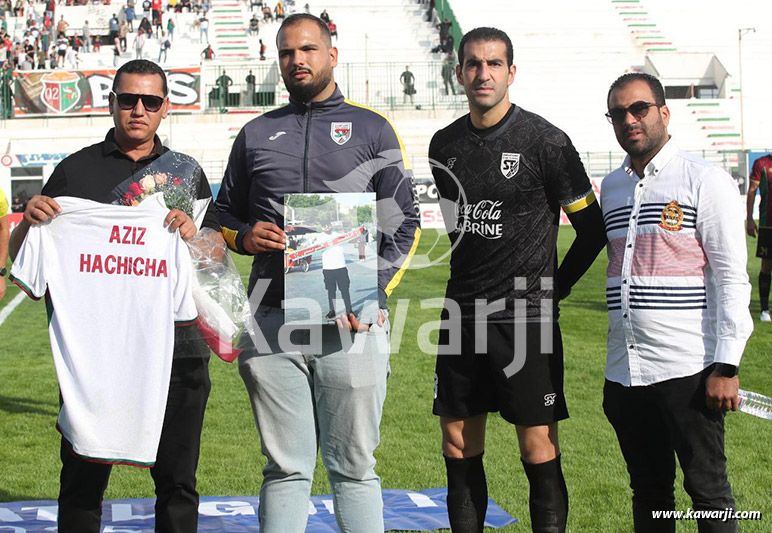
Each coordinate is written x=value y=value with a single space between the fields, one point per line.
x=409 y=456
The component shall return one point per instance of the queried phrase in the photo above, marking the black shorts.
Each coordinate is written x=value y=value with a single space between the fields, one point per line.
x=764 y=243
x=526 y=388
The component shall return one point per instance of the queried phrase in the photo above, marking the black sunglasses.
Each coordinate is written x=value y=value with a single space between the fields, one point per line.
x=127 y=101
x=638 y=110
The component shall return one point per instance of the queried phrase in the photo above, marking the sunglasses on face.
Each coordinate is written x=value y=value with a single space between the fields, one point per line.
x=150 y=102
x=638 y=110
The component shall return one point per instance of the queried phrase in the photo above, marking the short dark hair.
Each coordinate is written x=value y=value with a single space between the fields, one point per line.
x=651 y=81
x=297 y=18
x=141 y=66
x=486 y=34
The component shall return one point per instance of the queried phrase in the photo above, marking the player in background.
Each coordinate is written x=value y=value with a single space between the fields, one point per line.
x=503 y=174
x=4 y=236
x=761 y=180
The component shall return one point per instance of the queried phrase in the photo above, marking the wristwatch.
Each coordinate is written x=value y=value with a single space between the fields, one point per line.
x=726 y=370
x=3 y=271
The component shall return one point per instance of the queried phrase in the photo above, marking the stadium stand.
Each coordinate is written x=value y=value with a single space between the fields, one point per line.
x=567 y=54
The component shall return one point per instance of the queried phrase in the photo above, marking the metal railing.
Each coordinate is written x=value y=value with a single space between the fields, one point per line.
x=376 y=85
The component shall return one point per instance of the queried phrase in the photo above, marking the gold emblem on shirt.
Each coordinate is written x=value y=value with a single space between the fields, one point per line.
x=672 y=217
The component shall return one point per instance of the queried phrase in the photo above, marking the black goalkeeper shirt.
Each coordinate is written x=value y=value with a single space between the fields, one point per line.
x=501 y=190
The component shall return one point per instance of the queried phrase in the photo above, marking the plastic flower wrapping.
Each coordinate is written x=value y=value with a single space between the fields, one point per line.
x=219 y=294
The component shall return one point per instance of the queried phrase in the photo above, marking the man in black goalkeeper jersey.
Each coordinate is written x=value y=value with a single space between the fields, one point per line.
x=503 y=174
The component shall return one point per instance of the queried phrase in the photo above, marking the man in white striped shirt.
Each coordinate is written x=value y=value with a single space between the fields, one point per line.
x=678 y=296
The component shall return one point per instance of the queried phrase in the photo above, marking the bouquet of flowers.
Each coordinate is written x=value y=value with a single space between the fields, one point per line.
x=221 y=301
x=176 y=175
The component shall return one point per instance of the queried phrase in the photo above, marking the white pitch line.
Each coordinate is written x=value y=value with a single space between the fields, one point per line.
x=8 y=309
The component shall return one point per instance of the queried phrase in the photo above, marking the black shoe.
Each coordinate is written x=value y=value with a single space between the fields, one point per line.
x=330 y=315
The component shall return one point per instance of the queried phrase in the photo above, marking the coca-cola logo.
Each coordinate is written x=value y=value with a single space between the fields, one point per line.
x=480 y=218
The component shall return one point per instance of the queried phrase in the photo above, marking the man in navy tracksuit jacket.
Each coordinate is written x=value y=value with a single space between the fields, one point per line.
x=331 y=397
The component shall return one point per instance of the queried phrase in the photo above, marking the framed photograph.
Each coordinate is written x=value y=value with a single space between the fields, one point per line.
x=331 y=258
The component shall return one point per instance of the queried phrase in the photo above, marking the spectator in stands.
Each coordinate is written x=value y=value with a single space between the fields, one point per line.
x=139 y=43
x=206 y=6
x=156 y=7
x=72 y=57
x=130 y=15
x=407 y=79
x=170 y=25
x=158 y=22
x=263 y=48
x=203 y=29
x=50 y=6
x=86 y=36
x=333 y=29
x=208 y=53
x=267 y=15
x=255 y=4
x=254 y=25
x=61 y=52
x=116 y=52
x=448 y=73
x=671 y=368
x=447 y=44
x=123 y=32
x=444 y=28
x=147 y=7
x=5 y=235
x=163 y=50
x=114 y=27
x=61 y=27
x=18 y=9
x=307 y=9
x=145 y=26
x=325 y=17
x=279 y=10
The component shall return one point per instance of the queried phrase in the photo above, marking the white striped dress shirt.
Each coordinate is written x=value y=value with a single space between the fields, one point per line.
x=677 y=287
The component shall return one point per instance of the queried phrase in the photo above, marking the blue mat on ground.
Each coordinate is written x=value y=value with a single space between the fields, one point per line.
x=423 y=510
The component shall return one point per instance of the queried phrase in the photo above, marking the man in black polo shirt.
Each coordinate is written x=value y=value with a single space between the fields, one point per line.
x=503 y=174
x=138 y=103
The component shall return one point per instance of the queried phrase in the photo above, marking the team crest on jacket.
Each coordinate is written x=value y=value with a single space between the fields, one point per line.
x=340 y=132
x=510 y=164
x=672 y=217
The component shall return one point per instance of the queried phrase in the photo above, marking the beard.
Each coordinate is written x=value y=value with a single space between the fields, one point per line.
x=304 y=91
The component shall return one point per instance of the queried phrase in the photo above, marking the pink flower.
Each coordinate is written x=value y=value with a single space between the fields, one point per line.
x=176 y=181
x=147 y=183
x=135 y=189
x=160 y=178
x=127 y=198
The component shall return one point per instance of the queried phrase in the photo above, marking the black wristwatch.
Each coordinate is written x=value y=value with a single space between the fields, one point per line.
x=3 y=271
x=726 y=370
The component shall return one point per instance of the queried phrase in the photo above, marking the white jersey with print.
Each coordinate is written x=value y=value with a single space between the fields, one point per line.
x=115 y=281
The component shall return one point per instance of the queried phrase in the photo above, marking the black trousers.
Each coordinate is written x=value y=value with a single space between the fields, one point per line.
x=176 y=510
x=337 y=278
x=654 y=424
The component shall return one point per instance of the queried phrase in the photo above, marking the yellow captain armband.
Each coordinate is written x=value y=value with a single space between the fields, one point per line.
x=581 y=203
